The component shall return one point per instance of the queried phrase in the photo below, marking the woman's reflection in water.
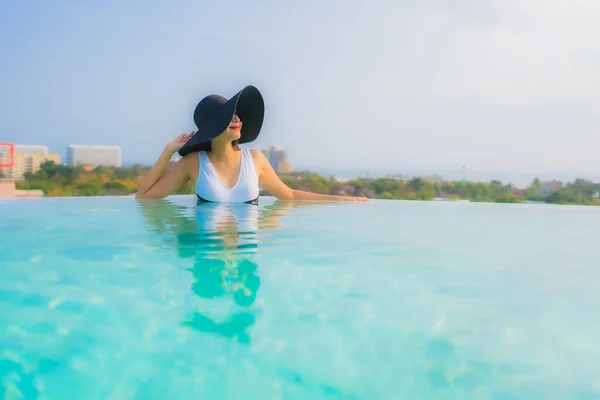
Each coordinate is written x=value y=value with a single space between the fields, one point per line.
x=223 y=239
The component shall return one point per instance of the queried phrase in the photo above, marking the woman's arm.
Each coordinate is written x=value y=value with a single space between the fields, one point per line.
x=156 y=183
x=270 y=181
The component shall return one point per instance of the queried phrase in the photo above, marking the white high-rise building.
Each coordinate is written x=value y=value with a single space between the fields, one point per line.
x=79 y=154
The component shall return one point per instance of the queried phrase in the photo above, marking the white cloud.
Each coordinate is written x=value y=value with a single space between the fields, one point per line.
x=536 y=53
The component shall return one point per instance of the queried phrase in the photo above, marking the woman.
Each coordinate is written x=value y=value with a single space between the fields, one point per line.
x=211 y=157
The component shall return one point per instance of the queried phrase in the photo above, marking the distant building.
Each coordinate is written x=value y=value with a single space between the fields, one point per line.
x=278 y=159
x=285 y=167
x=28 y=159
x=53 y=157
x=27 y=149
x=109 y=156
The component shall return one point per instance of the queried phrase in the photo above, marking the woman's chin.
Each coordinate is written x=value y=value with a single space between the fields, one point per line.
x=235 y=135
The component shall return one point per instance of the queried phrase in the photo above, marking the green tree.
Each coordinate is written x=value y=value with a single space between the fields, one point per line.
x=382 y=185
x=569 y=195
x=44 y=186
x=416 y=184
x=427 y=193
x=316 y=183
x=125 y=173
x=115 y=186
x=587 y=188
x=290 y=181
x=507 y=197
x=49 y=169
x=88 y=188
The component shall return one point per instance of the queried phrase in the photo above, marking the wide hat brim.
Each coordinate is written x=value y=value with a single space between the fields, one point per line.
x=249 y=105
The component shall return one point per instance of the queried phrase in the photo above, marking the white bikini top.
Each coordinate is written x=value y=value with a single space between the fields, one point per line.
x=210 y=187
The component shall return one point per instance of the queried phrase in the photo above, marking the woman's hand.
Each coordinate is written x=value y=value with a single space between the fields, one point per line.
x=178 y=141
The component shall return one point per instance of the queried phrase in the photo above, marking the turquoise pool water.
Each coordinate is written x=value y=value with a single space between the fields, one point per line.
x=109 y=298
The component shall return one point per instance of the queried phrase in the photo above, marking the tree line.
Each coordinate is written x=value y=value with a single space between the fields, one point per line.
x=65 y=180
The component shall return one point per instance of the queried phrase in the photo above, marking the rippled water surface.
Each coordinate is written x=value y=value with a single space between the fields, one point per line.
x=109 y=298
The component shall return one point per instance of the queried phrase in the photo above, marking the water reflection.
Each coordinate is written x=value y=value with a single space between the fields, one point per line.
x=223 y=240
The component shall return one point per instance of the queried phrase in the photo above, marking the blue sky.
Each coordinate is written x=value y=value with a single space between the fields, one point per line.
x=393 y=85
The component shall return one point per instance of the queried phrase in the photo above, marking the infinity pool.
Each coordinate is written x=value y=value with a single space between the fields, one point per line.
x=111 y=298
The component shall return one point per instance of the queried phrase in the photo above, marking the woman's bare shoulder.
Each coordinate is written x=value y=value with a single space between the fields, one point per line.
x=190 y=162
x=258 y=158
x=257 y=154
x=190 y=158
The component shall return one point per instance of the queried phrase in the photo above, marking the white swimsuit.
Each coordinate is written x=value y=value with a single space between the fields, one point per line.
x=211 y=189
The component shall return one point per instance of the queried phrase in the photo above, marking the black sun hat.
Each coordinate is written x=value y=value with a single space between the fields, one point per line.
x=213 y=115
